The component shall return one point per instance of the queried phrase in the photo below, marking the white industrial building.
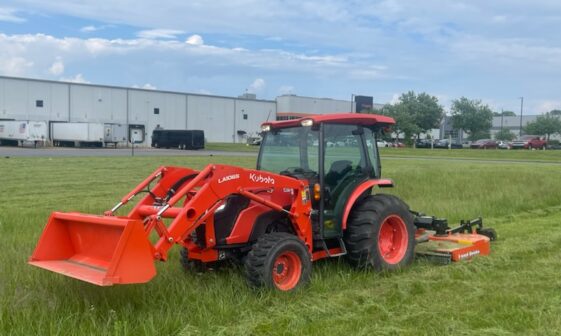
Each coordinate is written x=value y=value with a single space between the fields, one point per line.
x=292 y=106
x=224 y=119
x=140 y=111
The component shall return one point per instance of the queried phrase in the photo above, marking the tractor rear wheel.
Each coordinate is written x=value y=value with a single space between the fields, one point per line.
x=380 y=234
x=278 y=260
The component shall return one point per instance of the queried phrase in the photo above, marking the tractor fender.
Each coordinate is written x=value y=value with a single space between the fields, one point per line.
x=382 y=183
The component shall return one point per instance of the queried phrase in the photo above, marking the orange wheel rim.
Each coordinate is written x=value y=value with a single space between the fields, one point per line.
x=287 y=270
x=392 y=239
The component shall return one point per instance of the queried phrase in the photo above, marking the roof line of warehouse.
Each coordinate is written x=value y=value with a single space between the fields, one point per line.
x=320 y=98
x=132 y=88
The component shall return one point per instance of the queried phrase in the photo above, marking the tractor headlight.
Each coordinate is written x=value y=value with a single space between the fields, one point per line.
x=307 y=122
x=265 y=128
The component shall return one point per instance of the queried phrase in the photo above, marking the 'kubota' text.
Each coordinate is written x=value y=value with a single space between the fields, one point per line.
x=260 y=178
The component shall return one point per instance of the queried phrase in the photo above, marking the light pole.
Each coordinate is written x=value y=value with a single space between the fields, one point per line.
x=521 y=112
x=502 y=117
x=352 y=98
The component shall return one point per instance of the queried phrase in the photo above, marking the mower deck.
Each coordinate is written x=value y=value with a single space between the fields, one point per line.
x=452 y=247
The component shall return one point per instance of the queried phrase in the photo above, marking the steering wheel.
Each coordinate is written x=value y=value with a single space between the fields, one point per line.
x=292 y=170
x=298 y=172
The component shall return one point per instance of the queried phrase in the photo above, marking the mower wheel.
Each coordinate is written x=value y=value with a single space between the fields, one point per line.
x=488 y=232
x=278 y=260
x=380 y=234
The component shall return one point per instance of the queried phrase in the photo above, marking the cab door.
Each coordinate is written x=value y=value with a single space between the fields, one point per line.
x=346 y=163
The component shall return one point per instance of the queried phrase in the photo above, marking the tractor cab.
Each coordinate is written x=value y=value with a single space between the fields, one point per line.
x=334 y=153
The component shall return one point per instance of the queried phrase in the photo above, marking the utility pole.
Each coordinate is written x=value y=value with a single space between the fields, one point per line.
x=502 y=117
x=521 y=112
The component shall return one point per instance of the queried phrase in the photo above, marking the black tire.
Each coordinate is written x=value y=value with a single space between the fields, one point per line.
x=271 y=249
x=364 y=225
x=488 y=232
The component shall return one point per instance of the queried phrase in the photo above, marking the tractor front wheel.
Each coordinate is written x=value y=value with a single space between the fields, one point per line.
x=380 y=234
x=278 y=260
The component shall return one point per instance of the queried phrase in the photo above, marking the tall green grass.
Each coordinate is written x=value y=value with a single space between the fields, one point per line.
x=516 y=290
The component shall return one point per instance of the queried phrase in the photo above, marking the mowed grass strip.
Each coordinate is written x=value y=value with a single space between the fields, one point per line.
x=482 y=154
x=516 y=290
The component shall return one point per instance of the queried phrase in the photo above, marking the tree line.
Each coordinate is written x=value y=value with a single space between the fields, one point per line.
x=416 y=114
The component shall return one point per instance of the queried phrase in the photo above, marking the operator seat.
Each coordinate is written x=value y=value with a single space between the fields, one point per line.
x=336 y=172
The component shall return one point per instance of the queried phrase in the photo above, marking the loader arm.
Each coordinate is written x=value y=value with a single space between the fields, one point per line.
x=214 y=184
x=112 y=249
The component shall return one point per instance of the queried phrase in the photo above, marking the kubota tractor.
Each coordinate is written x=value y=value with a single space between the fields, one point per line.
x=309 y=198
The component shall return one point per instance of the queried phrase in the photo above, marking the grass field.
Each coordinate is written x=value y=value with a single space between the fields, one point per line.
x=231 y=147
x=490 y=154
x=516 y=290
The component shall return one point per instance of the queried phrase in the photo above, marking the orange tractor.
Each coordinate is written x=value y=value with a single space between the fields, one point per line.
x=309 y=198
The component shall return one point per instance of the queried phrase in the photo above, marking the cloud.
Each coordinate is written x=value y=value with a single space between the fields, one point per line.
x=9 y=15
x=15 y=66
x=39 y=47
x=91 y=28
x=547 y=106
x=257 y=86
x=159 y=33
x=79 y=78
x=286 y=89
x=88 y=29
x=487 y=50
x=57 y=68
x=204 y=92
x=146 y=86
x=195 y=40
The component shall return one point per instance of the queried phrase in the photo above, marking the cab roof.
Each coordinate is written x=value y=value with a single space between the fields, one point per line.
x=337 y=118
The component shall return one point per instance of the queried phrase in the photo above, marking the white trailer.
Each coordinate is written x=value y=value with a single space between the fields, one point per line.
x=18 y=131
x=114 y=134
x=87 y=134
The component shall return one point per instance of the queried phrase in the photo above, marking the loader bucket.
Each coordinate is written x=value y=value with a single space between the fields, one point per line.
x=102 y=250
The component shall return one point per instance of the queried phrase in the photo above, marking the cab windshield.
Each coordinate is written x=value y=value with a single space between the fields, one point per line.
x=293 y=149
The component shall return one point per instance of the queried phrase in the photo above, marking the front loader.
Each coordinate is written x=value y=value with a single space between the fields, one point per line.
x=311 y=197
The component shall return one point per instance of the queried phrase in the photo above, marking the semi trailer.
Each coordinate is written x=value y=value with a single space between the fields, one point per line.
x=15 y=132
x=77 y=134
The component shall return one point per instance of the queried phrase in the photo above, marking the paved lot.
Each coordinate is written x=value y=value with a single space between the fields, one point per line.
x=85 y=152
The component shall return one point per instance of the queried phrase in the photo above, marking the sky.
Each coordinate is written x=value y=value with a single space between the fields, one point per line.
x=495 y=51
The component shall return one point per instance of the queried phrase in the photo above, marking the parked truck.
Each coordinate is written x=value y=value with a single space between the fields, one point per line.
x=529 y=142
x=87 y=134
x=182 y=139
x=15 y=132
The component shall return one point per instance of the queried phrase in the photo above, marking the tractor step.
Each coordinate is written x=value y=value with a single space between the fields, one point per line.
x=341 y=248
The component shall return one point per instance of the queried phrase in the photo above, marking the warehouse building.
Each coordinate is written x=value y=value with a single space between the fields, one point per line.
x=293 y=106
x=138 y=112
x=511 y=123
x=224 y=119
